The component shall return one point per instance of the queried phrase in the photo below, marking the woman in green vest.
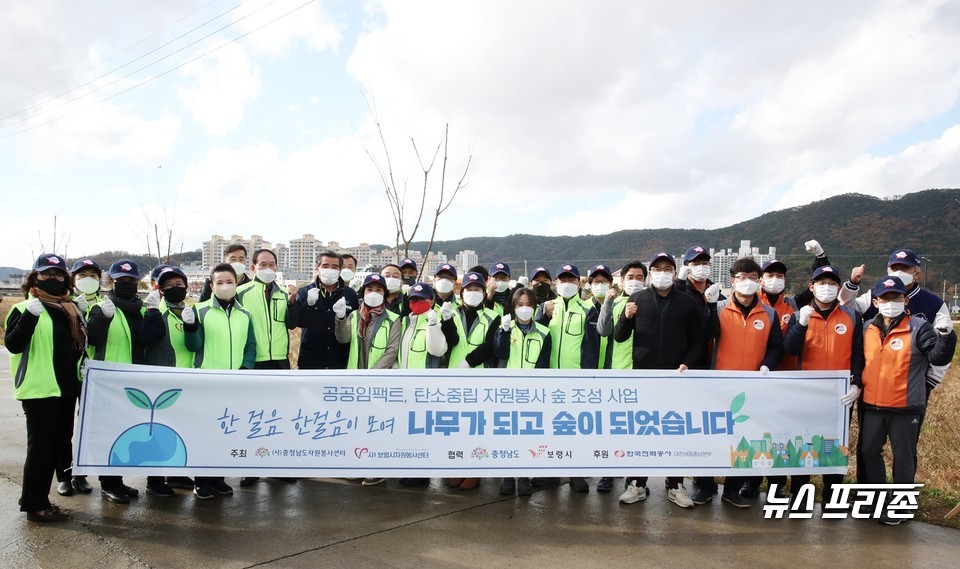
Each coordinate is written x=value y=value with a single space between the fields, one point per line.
x=46 y=338
x=521 y=343
x=115 y=335
x=372 y=332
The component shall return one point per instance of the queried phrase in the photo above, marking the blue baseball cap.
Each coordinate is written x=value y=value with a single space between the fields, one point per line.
x=124 y=268
x=904 y=257
x=81 y=264
x=773 y=266
x=408 y=263
x=695 y=252
x=602 y=269
x=888 y=284
x=168 y=272
x=49 y=261
x=157 y=270
x=497 y=268
x=472 y=278
x=829 y=271
x=662 y=255
x=374 y=279
x=421 y=290
x=539 y=270
x=568 y=269
x=446 y=268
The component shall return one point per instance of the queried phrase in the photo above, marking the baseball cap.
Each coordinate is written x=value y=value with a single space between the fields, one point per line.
x=888 y=284
x=539 y=270
x=694 y=252
x=49 y=261
x=829 y=271
x=421 y=290
x=157 y=270
x=124 y=268
x=773 y=266
x=603 y=269
x=904 y=257
x=81 y=264
x=568 y=270
x=448 y=268
x=168 y=272
x=662 y=255
x=472 y=278
x=373 y=279
x=497 y=268
x=408 y=263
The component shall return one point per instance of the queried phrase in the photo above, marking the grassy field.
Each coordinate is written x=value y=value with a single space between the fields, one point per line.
x=939 y=452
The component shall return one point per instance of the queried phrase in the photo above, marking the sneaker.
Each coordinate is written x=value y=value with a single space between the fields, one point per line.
x=524 y=487
x=680 y=497
x=249 y=481
x=373 y=481
x=750 y=491
x=779 y=495
x=221 y=487
x=203 y=492
x=888 y=521
x=180 y=482
x=508 y=487
x=161 y=489
x=702 y=496
x=605 y=484
x=634 y=493
x=579 y=485
x=735 y=500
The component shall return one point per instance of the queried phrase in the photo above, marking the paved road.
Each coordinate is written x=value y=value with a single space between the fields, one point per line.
x=331 y=523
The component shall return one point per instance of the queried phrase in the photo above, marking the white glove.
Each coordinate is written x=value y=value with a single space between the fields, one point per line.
x=764 y=370
x=340 y=308
x=805 y=313
x=942 y=324
x=851 y=396
x=683 y=272
x=108 y=307
x=313 y=295
x=506 y=322
x=81 y=302
x=813 y=247
x=35 y=307
x=431 y=317
x=446 y=311
x=153 y=300
x=712 y=294
x=405 y=288
x=188 y=316
x=463 y=365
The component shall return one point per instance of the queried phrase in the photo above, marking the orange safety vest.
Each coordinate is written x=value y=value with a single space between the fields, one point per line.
x=895 y=372
x=743 y=341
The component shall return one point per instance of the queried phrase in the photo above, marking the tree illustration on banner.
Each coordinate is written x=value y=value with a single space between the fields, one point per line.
x=151 y=443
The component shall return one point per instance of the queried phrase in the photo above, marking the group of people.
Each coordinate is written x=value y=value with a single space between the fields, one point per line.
x=895 y=338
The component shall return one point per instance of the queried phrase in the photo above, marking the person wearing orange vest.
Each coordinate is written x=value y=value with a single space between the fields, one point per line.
x=825 y=335
x=748 y=338
x=898 y=349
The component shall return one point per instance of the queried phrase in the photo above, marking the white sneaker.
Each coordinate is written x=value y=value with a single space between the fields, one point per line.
x=680 y=497
x=372 y=481
x=634 y=493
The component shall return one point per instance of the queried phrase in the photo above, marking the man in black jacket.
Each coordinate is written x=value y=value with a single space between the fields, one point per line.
x=667 y=327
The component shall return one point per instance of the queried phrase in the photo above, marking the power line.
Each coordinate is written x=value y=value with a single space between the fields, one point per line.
x=108 y=59
x=148 y=80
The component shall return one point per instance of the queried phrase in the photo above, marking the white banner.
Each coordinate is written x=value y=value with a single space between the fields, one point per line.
x=459 y=423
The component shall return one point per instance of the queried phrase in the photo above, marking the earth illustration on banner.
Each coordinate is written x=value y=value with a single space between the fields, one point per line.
x=149 y=444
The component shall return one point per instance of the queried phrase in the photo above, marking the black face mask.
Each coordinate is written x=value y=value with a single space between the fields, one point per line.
x=175 y=294
x=542 y=290
x=125 y=290
x=53 y=287
x=409 y=281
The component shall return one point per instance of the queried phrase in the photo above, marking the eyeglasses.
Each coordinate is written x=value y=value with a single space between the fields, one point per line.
x=54 y=275
x=746 y=277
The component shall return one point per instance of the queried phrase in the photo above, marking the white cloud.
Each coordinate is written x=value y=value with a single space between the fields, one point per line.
x=221 y=85
x=310 y=24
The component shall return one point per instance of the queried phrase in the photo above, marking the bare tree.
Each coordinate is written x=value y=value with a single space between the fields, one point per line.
x=161 y=240
x=408 y=222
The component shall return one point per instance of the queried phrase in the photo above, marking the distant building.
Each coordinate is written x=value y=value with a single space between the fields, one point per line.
x=212 y=250
x=466 y=259
x=722 y=259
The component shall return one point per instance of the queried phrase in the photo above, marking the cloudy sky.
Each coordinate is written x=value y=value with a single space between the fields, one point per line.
x=251 y=116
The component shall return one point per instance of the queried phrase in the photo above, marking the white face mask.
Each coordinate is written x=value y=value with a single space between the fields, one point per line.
x=373 y=299
x=661 y=280
x=907 y=278
x=225 y=291
x=890 y=309
x=825 y=292
x=88 y=285
x=600 y=290
x=473 y=298
x=773 y=285
x=502 y=286
x=239 y=267
x=700 y=273
x=443 y=286
x=393 y=285
x=633 y=286
x=266 y=276
x=567 y=290
x=347 y=275
x=746 y=287
x=524 y=313
x=329 y=276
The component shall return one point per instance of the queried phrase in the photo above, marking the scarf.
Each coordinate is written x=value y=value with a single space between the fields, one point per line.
x=65 y=304
x=366 y=314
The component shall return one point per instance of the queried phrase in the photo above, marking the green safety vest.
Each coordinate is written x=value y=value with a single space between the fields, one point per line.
x=269 y=319
x=621 y=353
x=416 y=356
x=172 y=350
x=224 y=335
x=119 y=345
x=381 y=336
x=33 y=374
x=567 y=329
x=91 y=350
x=470 y=339
x=525 y=348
